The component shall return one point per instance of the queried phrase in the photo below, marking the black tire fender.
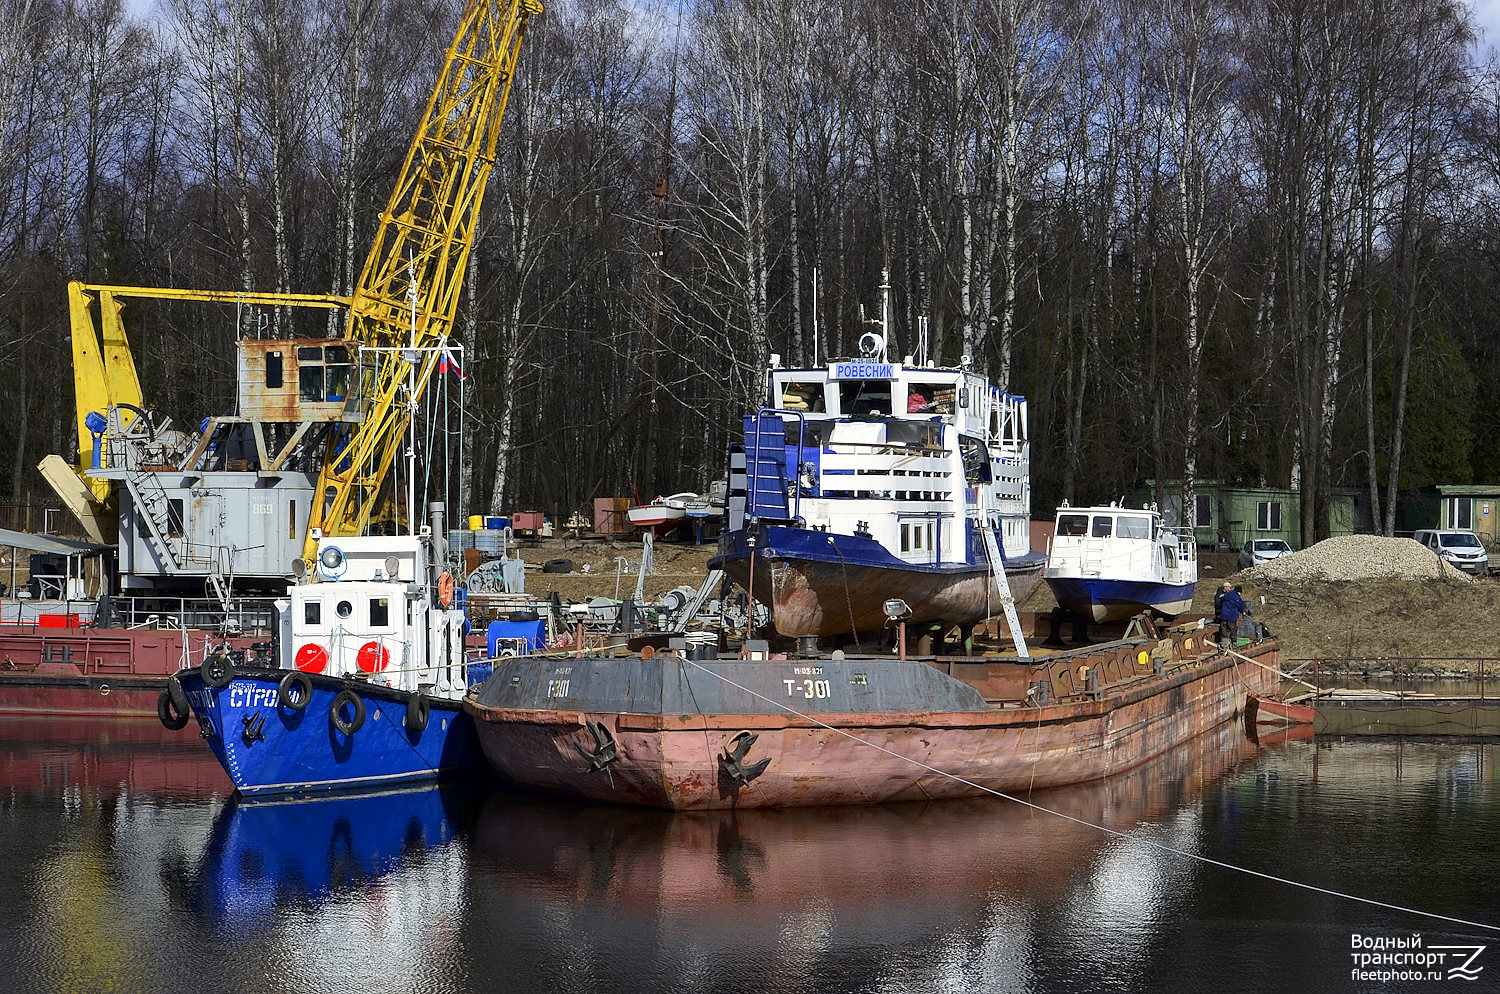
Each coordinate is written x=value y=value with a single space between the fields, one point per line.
x=217 y=671
x=418 y=708
x=166 y=711
x=336 y=712
x=178 y=695
x=304 y=685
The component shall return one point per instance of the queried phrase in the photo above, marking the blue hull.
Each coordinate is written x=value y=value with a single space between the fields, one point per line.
x=1114 y=600
x=270 y=748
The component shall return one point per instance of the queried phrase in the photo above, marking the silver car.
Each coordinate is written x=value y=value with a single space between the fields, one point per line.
x=1263 y=550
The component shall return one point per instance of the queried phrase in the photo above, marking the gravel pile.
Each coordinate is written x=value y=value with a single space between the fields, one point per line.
x=1359 y=557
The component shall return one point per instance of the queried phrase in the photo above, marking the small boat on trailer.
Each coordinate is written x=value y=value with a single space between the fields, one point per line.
x=1112 y=563
x=687 y=730
x=367 y=684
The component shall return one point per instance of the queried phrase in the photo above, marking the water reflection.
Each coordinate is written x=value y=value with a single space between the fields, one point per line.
x=304 y=853
x=94 y=756
x=714 y=888
x=129 y=868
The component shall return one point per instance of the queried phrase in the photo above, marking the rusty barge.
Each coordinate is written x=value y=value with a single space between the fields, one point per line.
x=685 y=730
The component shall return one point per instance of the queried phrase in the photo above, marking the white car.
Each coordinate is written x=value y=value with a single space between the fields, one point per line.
x=1263 y=550
x=1460 y=548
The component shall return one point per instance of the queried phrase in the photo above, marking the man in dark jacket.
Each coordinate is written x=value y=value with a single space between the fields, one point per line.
x=1230 y=606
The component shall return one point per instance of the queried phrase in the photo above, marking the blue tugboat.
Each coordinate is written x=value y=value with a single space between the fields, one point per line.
x=367 y=682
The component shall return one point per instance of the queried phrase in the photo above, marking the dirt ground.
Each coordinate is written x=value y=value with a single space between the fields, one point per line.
x=1373 y=619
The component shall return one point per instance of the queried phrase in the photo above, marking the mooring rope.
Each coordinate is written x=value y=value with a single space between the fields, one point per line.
x=1159 y=846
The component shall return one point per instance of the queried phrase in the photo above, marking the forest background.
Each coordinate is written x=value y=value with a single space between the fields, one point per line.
x=1246 y=240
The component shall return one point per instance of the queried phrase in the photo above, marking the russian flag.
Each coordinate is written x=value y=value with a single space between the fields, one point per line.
x=448 y=362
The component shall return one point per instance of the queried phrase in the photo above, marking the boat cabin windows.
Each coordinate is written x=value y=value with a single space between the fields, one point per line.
x=857 y=397
x=344 y=609
x=312 y=613
x=1135 y=526
x=796 y=396
x=929 y=398
x=976 y=459
x=1072 y=525
x=919 y=540
x=380 y=612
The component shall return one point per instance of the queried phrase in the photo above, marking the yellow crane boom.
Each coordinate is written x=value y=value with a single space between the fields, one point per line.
x=408 y=293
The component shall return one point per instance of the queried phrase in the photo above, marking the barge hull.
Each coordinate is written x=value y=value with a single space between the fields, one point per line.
x=672 y=757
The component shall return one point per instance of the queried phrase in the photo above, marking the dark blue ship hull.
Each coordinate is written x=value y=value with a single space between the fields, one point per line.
x=269 y=746
x=1114 y=600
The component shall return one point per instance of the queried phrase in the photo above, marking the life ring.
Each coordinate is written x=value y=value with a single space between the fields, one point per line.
x=217 y=671
x=445 y=589
x=304 y=686
x=336 y=712
x=167 y=712
x=418 y=707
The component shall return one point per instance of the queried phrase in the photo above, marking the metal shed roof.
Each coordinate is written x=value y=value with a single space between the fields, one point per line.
x=49 y=543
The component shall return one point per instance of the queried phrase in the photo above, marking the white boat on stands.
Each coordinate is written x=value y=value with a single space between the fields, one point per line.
x=664 y=513
x=867 y=485
x=1111 y=563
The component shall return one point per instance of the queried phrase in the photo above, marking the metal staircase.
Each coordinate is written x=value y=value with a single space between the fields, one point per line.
x=997 y=570
x=154 y=508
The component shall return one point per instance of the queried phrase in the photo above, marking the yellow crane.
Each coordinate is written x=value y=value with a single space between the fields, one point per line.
x=409 y=290
x=402 y=308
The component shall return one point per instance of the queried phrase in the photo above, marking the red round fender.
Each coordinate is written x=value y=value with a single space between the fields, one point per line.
x=373 y=657
x=312 y=658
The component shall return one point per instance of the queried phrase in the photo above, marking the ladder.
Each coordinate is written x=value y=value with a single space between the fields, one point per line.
x=997 y=569
x=152 y=504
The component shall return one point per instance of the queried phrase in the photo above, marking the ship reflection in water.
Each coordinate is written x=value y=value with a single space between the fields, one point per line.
x=300 y=854
x=131 y=867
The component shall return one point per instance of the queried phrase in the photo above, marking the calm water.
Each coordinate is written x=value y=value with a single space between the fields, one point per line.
x=129 y=868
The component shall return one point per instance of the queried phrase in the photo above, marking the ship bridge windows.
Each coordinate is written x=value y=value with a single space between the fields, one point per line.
x=1134 y=526
x=380 y=612
x=1072 y=525
x=929 y=398
x=1103 y=525
x=857 y=397
x=312 y=613
x=798 y=396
